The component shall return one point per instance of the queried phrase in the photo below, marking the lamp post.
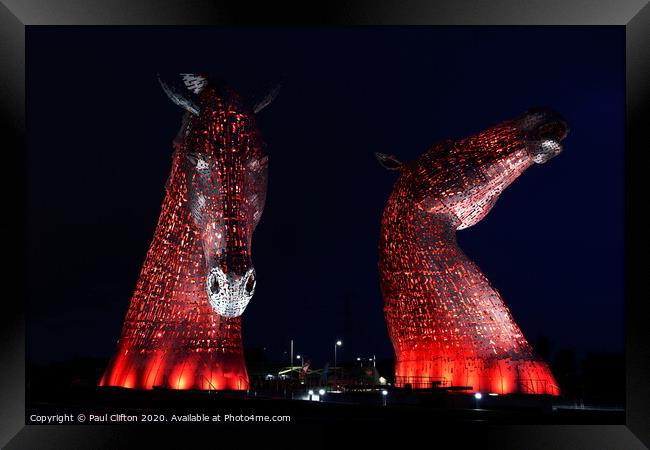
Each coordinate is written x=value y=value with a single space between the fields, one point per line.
x=291 y=355
x=300 y=372
x=336 y=346
x=477 y=397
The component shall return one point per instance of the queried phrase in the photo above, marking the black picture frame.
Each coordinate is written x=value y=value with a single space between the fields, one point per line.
x=16 y=15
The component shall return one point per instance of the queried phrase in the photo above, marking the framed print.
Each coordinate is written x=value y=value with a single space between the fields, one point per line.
x=418 y=215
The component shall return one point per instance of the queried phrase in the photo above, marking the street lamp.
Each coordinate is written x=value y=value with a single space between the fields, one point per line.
x=299 y=366
x=478 y=396
x=384 y=394
x=336 y=346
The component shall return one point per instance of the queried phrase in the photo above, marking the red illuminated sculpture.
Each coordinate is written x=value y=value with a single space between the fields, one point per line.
x=183 y=326
x=448 y=325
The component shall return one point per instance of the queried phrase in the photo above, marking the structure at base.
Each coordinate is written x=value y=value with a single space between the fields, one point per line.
x=183 y=326
x=448 y=325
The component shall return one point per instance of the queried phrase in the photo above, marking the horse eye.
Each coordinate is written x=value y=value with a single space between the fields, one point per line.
x=214 y=285
x=250 y=283
x=192 y=158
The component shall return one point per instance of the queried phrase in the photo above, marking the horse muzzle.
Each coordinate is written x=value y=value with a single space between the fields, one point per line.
x=229 y=293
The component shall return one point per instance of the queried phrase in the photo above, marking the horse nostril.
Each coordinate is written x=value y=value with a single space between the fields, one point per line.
x=250 y=283
x=214 y=285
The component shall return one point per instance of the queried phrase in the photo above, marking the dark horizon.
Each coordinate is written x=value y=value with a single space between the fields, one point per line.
x=99 y=153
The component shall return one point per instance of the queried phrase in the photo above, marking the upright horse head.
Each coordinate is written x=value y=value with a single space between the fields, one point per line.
x=183 y=326
x=221 y=170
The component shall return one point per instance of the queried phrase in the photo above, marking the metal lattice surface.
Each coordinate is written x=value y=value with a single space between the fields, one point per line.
x=183 y=326
x=445 y=320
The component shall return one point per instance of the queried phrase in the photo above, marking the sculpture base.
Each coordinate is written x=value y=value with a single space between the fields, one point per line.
x=487 y=375
x=204 y=371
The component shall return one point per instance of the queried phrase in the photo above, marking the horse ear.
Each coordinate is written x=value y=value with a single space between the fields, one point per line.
x=183 y=90
x=267 y=99
x=389 y=162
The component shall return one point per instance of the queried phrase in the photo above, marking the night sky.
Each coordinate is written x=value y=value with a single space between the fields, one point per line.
x=99 y=153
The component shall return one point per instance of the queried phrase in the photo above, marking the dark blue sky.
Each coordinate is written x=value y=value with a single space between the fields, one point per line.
x=99 y=142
